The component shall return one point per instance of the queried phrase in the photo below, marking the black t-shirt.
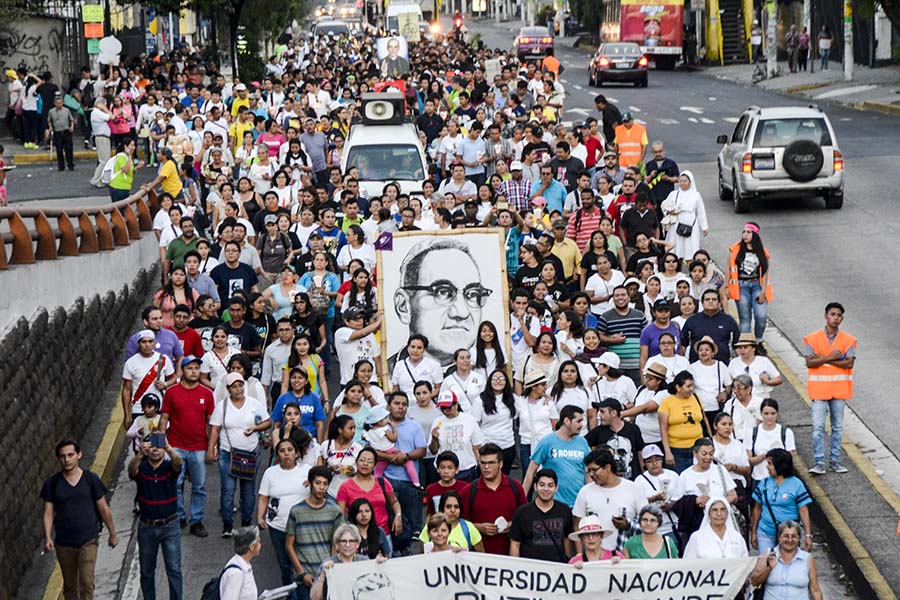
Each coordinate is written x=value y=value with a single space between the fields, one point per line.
x=542 y=534
x=259 y=220
x=527 y=277
x=627 y=443
x=652 y=255
x=431 y=125
x=541 y=149
x=566 y=171
x=308 y=325
x=265 y=327
x=558 y=292
x=245 y=337
x=75 y=519
x=204 y=327
x=634 y=223
x=228 y=280
x=303 y=263
x=589 y=262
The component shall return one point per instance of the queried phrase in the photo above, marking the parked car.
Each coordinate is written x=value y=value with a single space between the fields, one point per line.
x=532 y=42
x=781 y=150
x=622 y=62
x=332 y=26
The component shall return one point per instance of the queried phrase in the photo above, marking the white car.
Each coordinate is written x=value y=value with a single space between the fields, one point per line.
x=781 y=150
x=384 y=147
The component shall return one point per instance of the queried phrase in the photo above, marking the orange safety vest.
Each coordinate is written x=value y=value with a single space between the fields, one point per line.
x=551 y=65
x=734 y=288
x=630 y=142
x=829 y=382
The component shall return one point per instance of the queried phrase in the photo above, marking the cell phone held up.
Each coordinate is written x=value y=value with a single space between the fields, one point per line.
x=158 y=440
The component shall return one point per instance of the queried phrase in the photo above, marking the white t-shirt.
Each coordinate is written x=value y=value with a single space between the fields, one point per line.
x=498 y=427
x=168 y=234
x=673 y=364
x=406 y=374
x=622 y=389
x=136 y=368
x=365 y=253
x=377 y=438
x=607 y=503
x=424 y=418
x=459 y=435
x=377 y=395
x=648 y=423
x=449 y=146
x=288 y=487
x=709 y=381
x=466 y=390
x=234 y=421
x=743 y=417
x=732 y=453
x=760 y=365
x=689 y=482
x=597 y=286
x=350 y=352
x=214 y=366
x=490 y=361
x=520 y=349
x=765 y=441
x=339 y=458
x=534 y=419
x=653 y=484
x=575 y=397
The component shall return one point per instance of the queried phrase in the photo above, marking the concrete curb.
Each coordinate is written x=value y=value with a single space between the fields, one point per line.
x=884 y=108
x=47 y=157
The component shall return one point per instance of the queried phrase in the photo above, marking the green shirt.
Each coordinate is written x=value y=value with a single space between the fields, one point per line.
x=177 y=248
x=121 y=180
x=313 y=529
x=635 y=548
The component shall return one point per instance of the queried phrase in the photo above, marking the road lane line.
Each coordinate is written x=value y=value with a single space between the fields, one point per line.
x=577 y=87
x=668 y=121
x=730 y=119
x=692 y=109
x=693 y=120
x=707 y=121
x=634 y=109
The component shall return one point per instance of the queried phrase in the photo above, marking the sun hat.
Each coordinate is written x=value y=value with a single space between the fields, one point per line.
x=708 y=340
x=746 y=339
x=533 y=378
x=377 y=414
x=590 y=524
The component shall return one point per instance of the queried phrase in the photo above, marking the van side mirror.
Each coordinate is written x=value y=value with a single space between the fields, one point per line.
x=722 y=139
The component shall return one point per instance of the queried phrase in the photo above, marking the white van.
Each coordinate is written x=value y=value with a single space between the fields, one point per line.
x=392 y=25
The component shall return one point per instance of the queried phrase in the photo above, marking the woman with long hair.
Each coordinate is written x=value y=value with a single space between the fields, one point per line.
x=543 y=357
x=355 y=248
x=597 y=245
x=496 y=406
x=339 y=452
x=569 y=389
x=374 y=541
x=214 y=365
x=305 y=320
x=302 y=356
x=176 y=291
x=373 y=395
x=749 y=283
x=464 y=381
x=354 y=406
x=361 y=293
x=463 y=533
x=488 y=351
x=259 y=317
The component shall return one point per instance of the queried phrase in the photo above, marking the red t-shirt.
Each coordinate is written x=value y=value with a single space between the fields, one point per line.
x=190 y=342
x=350 y=491
x=189 y=411
x=490 y=504
x=434 y=492
x=593 y=146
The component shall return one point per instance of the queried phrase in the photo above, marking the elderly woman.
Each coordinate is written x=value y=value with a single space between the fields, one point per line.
x=742 y=408
x=590 y=534
x=649 y=543
x=787 y=571
x=762 y=370
x=718 y=536
x=780 y=497
x=346 y=540
x=237 y=581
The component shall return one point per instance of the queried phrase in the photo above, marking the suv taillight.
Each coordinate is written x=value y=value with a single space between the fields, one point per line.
x=747 y=163
x=838 y=161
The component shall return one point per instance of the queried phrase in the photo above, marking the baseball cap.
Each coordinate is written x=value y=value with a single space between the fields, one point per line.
x=353 y=313
x=190 y=358
x=446 y=399
x=146 y=334
x=559 y=224
x=627 y=116
x=232 y=378
x=240 y=87
x=662 y=303
x=651 y=450
x=270 y=219
x=515 y=165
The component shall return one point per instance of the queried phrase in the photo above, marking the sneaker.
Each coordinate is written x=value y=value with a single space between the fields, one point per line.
x=227 y=531
x=198 y=530
x=838 y=468
x=817 y=469
x=183 y=523
x=245 y=523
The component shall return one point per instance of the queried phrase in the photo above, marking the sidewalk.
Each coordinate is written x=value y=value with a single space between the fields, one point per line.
x=875 y=89
x=20 y=155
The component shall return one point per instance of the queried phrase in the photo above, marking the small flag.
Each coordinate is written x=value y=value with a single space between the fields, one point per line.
x=385 y=241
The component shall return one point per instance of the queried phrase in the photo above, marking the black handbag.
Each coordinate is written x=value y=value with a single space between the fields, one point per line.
x=685 y=230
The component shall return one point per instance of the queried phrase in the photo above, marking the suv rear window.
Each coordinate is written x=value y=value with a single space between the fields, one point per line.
x=778 y=133
x=386 y=163
x=335 y=28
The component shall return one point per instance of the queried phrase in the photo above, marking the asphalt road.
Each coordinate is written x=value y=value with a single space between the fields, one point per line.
x=30 y=182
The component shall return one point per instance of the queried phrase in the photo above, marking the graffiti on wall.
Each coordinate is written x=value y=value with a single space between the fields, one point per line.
x=37 y=44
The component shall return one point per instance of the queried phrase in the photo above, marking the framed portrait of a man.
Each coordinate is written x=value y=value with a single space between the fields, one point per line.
x=393 y=56
x=442 y=285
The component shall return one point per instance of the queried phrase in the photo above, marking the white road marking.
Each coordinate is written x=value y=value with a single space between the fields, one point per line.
x=730 y=119
x=668 y=121
x=846 y=119
x=712 y=98
x=563 y=81
x=640 y=121
x=579 y=111
x=692 y=109
x=611 y=99
x=705 y=120
x=844 y=91
x=577 y=87
x=693 y=120
x=634 y=109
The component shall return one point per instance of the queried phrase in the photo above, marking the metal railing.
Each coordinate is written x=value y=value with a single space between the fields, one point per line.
x=95 y=229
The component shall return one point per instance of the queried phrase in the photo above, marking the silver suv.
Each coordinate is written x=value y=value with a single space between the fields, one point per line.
x=780 y=150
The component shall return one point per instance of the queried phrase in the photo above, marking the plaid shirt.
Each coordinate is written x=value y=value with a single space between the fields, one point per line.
x=518 y=193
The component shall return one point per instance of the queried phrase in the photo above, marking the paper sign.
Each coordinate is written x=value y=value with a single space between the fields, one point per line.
x=94 y=31
x=93 y=46
x=92 y=13
x=408 y=24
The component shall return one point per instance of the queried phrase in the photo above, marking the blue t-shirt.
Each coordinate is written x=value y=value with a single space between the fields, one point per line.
x=555 y=195
x=409 y=437
x=567 y=459
x=785 y=500
x=650 y=336
x=311 y=410
x=331 y=283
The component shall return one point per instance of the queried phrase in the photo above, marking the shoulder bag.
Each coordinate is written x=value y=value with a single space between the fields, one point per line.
x=683 y=229
x=241 y=463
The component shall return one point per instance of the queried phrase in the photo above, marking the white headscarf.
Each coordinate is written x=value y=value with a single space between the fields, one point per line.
x=706 y=543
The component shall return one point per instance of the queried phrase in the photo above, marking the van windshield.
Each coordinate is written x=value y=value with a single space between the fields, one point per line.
x=387 y=162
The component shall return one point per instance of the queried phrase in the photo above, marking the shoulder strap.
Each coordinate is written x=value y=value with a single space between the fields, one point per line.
x=408 y=370
x=515 y=490
x=465 y=529
x=753 y=440
x=666 y=546
x=783 y=437
x=765 y=495
x=473 y=489
x=380 y=481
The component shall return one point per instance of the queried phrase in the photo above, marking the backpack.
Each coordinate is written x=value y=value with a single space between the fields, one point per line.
x=473 y=489
x=109 y=170
x=756 y=432
x=211 y=589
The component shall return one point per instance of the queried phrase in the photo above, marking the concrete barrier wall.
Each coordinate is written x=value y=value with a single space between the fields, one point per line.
x=47 y=284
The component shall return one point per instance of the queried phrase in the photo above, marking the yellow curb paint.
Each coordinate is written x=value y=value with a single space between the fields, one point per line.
x=882 y=107
x=806 y=87
x=46 y=157
x=104 y=462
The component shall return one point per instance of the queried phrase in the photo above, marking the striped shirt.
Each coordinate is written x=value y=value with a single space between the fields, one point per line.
x=156 y=490
x=631 y=324
x=582 y=226
x=313 y=529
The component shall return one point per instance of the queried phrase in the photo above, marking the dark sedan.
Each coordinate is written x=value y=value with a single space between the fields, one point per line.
x=532 y=42
x=622 y=62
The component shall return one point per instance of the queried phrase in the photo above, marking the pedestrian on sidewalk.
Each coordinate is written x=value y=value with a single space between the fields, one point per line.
x=756 y=39
x=156 y=469
x=803 y=56
x=824 y=41
x=792 y=43
x=830 y=358
x=13 y=117
x=100 y=117
x=74 y=505
x=61 y=124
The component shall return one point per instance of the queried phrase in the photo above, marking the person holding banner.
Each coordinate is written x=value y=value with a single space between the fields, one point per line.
x=650 y=544
x=345 y=541
x=718 y=537
x=591 y=534
x=541 y=528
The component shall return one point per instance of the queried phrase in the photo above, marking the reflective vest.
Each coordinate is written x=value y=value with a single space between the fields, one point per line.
x=829 y=382
x=734 y=288
x=630 y=142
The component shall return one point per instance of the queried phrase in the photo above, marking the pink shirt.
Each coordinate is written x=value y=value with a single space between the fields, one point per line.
x=604 y=555
x=349 y=492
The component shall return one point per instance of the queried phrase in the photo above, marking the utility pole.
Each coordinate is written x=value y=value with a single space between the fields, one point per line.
x=771 y=35
x=848 y=41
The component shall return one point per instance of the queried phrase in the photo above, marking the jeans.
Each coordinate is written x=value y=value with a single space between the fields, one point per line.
x=195 y=466
x=410 y=500
x=284 y=563
x=116 y=195
x=819 y=410
x=229 y=485
x=684 y=459
x=150 y=539
x=524 y=456
x=77 y=567
x=764 y=541
x=826 y=54
x=747 y=305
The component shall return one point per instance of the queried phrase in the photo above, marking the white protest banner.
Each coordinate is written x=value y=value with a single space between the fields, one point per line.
x=477 y=576
x=491 y=67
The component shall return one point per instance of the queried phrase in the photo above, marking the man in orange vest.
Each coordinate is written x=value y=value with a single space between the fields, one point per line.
x=631 y=138
x=551 y=64
x=830 y=356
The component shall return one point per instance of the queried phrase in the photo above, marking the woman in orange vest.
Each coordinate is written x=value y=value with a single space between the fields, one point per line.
x=830 y=357
x=749 y=283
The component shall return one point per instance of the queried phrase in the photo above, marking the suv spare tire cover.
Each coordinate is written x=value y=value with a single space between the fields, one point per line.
x=802 y=160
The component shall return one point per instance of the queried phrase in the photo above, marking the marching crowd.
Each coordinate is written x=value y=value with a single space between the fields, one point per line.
x=639 y=416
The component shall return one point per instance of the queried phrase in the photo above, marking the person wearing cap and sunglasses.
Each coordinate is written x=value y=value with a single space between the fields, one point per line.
x=459 y=433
